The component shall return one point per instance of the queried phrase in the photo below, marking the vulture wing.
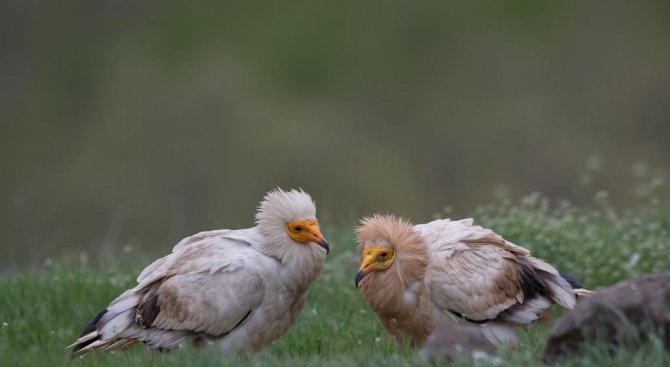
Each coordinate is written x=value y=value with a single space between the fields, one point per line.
x=209 y=285
x=476 y=275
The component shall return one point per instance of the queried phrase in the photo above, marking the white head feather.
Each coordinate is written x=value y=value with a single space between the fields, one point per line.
x=280 y=207
x=277 y=209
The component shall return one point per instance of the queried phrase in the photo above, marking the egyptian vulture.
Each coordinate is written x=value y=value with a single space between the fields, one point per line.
x=237 y=289
x=417 y=276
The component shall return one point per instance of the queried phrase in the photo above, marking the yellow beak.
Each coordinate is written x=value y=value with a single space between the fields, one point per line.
x=318 y=238
x=365 y=266
x=310 y=232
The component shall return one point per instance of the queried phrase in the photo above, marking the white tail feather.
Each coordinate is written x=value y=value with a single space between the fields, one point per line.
x=583 y=292
x=118 y=317
x=562 y=293
x=84 y=339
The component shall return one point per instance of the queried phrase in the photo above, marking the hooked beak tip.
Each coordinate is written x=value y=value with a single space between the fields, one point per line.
x=323 y=243
x=359 y=275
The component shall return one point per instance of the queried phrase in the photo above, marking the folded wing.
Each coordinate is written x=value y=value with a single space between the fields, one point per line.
x=209 y=286
x=477 y=276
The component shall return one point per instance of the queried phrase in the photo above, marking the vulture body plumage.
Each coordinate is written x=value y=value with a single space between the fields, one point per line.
x=237 y=289
x=417 y=276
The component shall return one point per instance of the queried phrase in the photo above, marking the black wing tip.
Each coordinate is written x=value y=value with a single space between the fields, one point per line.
x=531 y=283
x=92 y=324
x=75 y=351
x=572 y=280
x=88 y=328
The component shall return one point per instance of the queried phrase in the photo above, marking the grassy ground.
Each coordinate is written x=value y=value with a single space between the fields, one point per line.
x=41 y=312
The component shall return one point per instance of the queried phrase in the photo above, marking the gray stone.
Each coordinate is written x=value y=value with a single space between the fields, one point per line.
x=624 y=314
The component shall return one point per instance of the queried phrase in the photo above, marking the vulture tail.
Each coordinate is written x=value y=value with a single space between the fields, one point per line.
x=88 y=334
x=576 y=285
x=103 y=330
x=538 y=277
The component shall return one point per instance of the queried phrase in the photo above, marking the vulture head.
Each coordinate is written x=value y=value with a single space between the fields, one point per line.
x=392 y=254
x=287 y=221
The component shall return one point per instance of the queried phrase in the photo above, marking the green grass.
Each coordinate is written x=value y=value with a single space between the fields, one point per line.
x=41 y=312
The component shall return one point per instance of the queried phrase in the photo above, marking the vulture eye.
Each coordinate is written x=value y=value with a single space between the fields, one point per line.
x=383 y=255
x=298 y=228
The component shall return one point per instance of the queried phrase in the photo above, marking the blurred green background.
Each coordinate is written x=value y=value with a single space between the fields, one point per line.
x=137 y=123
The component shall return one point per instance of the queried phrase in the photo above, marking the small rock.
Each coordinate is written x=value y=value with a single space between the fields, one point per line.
x=622 y=314
x=451 y=341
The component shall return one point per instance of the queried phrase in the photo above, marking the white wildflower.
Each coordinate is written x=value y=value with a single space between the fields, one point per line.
x=656 y=183
x=633 y=260
x=602 y=196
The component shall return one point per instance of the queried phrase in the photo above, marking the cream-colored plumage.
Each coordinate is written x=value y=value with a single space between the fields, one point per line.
x=417 y=276
x=238 y=289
